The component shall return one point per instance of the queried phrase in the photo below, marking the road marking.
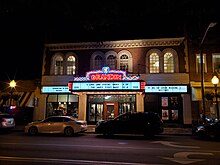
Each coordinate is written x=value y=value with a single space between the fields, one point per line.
x=67 y=161
x=173 y=144
x=182 y=157
x=122 y=143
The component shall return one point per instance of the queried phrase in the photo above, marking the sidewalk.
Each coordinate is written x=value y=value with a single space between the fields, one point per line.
x=167 y=131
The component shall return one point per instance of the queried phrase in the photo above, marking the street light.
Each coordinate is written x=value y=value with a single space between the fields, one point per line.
x=212 y=24
x=12 y=84
x=215 y=81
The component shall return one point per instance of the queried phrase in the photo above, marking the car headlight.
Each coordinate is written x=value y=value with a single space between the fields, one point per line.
x=200 y=128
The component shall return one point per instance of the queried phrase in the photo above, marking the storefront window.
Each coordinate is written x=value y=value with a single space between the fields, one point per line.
x=171 y=108
x=101 y=107
x=62 y=104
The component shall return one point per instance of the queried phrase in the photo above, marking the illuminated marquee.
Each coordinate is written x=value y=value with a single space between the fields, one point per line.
x=87 y=86
x=107 y=75
x=55 y=89
x=166 y=89
x=106 y=80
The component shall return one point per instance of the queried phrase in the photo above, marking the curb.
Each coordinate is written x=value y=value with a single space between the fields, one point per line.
x=167 y=131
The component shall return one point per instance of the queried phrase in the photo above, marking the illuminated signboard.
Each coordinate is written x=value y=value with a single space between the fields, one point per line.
x=55 y=89
x=105 y=74
x=166 y=89
x=106 y=80
x=79 y=86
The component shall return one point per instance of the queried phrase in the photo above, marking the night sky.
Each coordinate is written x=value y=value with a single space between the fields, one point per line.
x=26 y=25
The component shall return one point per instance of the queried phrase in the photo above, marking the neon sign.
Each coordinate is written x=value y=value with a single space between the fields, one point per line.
x=106 y=77
x=105 y=74
x=106 y=80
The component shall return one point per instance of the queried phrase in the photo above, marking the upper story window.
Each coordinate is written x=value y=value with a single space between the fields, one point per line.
x=98 y=62
x=58 y=65
x=154 y=63
x=71 y=65
x=111 y=61
x=124 y=62
x=168 y=63
x=162 y=62
x=198 y=63
x=216 y=62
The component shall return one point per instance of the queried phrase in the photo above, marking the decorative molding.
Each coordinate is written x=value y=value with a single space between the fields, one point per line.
x=116 y=44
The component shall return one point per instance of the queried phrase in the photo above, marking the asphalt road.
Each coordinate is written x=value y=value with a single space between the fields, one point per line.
x=17 y=148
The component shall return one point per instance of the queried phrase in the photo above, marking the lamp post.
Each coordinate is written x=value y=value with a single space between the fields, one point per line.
x=12 y=84
x=215 y=81
x=212 y=24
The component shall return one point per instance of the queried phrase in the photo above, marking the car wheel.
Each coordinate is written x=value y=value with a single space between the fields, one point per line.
x=68 y=131
x=148 y=133
x=32 y=131
x=107 y=132
x=212 y=135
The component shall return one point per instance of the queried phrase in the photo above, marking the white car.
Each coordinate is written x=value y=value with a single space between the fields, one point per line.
x=7 y=122
x=66 y=125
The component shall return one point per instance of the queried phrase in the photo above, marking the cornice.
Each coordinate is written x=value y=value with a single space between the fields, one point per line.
x=116 y=44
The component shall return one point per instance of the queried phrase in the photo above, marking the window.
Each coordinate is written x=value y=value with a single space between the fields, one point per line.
x=124 y=62
x=98 y=62
x=58 y=66
x=111 y=62
x=154 y=63
x=71 y=67
x=198 y=63
x=216 y=62
x=168 y=63
x=162 y=62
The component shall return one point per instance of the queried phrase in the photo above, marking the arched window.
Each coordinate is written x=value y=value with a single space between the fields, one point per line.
x=98 y=62
x=111 y=61
x=154 y=63
x=71 y=65
x=168 y=63
x=124 y=62
x=58 y=65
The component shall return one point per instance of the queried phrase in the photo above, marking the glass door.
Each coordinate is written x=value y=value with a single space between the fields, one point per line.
x=99 y=112
x=95 y=113
x=110 y=112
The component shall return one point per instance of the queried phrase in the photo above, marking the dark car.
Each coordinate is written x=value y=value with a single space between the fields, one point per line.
x=146 y=123
x=209 y=130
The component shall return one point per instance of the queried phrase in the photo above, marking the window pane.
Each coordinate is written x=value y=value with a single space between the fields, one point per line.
x=216 y=62
x=98 y=62
x=168 y=63
x=154 y=63
x=124 y=62
x=111 y=62
x=59 y=66
x=198 y=63
x=71 y=65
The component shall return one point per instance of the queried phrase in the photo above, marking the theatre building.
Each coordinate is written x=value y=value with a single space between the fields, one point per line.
x=104 y=94
x=100 y=80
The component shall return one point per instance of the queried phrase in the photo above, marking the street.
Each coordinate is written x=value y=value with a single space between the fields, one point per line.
x=17 y=148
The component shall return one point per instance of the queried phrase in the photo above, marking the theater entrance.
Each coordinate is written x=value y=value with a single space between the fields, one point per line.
x=102 y=107
x=110 y=110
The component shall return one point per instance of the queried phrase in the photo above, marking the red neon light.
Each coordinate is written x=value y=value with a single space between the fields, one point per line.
x=70 y=85
x=106 y=77
x=143 y=85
